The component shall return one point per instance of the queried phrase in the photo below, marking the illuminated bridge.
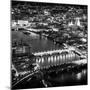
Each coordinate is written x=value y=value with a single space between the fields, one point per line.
x=47 y=59
x=56 y=57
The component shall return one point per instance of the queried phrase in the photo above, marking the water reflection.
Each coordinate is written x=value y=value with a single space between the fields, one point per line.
x=84 y=72
x=69 y=78
x=81 y=74
x=78 y=76
x=60 y=79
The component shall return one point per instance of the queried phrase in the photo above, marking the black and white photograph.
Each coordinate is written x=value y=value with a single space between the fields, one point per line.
x=49 y=44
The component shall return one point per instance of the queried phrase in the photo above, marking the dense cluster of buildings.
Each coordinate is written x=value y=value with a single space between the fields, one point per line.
x=57 y=18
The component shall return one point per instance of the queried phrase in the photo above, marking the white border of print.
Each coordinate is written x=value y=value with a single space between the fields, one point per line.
x=5 y=43
x=61 y=1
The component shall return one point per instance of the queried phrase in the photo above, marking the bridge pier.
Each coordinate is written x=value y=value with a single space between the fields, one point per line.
x=46 y=61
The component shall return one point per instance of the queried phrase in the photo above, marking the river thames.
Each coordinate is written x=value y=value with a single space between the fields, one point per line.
x=73 y=77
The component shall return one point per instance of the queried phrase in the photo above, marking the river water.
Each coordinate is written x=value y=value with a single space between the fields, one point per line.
x=39 y=44
x=60 y=79
x=68 y=78
x=73 y=78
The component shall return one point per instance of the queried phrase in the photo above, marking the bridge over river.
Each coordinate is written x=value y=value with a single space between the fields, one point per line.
x=48 y=54
x=52 y=58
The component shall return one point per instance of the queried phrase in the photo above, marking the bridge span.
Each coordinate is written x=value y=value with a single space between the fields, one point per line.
x=57 y=51
x=52 y=58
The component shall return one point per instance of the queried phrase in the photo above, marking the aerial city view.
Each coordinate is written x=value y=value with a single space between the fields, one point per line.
x=49 y=44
